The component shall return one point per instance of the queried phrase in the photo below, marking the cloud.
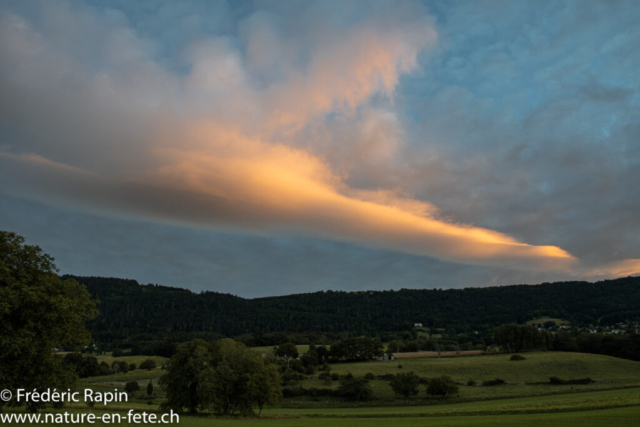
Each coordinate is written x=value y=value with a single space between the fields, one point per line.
x=238 y=140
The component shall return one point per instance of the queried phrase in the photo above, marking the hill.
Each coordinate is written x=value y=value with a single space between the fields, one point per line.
x=128 y=308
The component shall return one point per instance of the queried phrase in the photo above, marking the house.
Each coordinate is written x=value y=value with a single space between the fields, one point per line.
x=418 y=325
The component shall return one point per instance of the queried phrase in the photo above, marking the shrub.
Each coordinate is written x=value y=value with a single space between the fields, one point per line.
x=335 y=376
x=355 y=389
x=405 y=384
x=471 y=382
x=105 y=369
x=132 y=367
x=148 y=364
x=117 y=353
x=497 y=381
x=442 y=386
x=131 y=386
x=558 y=381
x=324 y=375
x=290 y=377
x=517 y=357
x=369 y=376
x=399 y=366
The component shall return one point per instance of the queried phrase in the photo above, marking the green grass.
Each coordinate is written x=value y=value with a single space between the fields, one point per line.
x=521 y=377
x=534 y=404
x=538 y=367
x=619 y=417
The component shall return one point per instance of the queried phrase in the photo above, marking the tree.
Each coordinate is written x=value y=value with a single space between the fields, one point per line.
x=131 y=386
x=184 y=372
x=287 y=349
x=150 y=388
x=148 y=364
x=442 y=386
x=264 y=385
x=39 y=312
x=226 y=377
x=357 y=389
x=352 y=349
x=405 y=384
x=84 y=366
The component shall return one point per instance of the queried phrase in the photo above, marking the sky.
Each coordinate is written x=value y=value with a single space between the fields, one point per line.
x=267 y=147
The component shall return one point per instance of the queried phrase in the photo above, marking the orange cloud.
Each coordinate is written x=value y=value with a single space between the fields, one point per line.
x=247 y=184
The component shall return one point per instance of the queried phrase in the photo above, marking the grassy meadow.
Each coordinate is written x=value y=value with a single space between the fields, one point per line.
x=527 y=398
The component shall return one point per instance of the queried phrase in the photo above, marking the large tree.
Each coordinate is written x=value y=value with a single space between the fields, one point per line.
x=39 y=313
x=405 y=384
x=226 y=377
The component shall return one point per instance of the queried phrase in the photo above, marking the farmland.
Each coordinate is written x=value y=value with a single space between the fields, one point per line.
x=526 y=398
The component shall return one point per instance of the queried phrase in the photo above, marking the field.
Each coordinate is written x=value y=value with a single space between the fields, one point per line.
x=526 y=399
x=618 y=416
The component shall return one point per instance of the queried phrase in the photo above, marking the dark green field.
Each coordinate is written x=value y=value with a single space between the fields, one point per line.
x=527 y=398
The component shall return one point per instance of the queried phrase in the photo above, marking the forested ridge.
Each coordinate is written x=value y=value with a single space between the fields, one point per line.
x=128 y=308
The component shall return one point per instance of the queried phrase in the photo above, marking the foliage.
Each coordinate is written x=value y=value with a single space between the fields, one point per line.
x=148 y=364
x=182 y=380
x=442 y=386
x=353 y=349
x=497 y=381
x=131 y=386
x=164 y=314
x=355 y=389
x=558 y=381
x=287 y=349
x=518 y=337
x=39 y=312
x=405 y=384
x=226 y=377
x=517 y=357
x=84 y=366
x=149 y=388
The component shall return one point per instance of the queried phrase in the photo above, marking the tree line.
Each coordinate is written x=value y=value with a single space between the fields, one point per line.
x=150 y=316
x=516 y=338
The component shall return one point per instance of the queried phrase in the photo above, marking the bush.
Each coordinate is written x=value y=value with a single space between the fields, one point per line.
x=517 y=357
x=355 y=389
x=105 y=369
x=298 y=391
x=399 y=366
x=497 y=381
x=558 y=381
x=132 y=367
x=369 y=376
x=117 y=353
x=442 y=386
x=290 y=377
x=148 y=364
x=335 y=376
x=324 y=375
x=131 y=386
x=405 y=384
x=471 y=382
